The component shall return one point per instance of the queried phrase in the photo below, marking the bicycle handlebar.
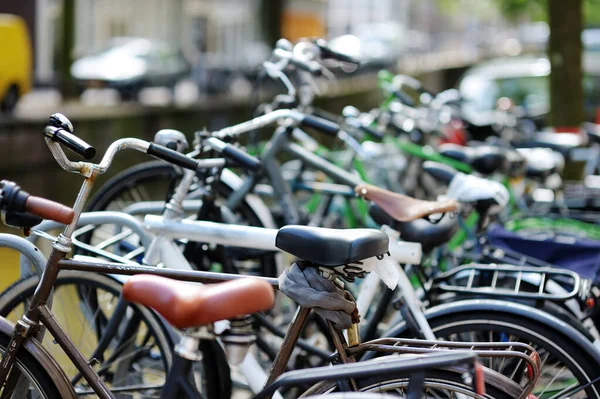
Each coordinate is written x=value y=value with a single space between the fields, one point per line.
x=258 y=122
x=149 y=148
x=315 y=122
x=321 y=124
x=327 y=52
x=235 y=154
x=15 y=200
x=172 y=156
x=70 y=141
x=375 y=133
x=47 y=209
x=312 y=67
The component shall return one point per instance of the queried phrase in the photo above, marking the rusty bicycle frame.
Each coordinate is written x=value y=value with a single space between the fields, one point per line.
x=40 y=313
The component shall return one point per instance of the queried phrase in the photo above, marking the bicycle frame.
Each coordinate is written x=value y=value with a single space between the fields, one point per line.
x=345 y=353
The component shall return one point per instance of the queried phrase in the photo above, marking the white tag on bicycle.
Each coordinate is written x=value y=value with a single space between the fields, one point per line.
x=469 y=188
x=387 y=271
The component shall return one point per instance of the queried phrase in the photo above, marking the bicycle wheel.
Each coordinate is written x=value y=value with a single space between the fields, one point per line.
x=148 y=181
x=440 y=383
x=136 y=360
x=35 y=381
x=565 y=364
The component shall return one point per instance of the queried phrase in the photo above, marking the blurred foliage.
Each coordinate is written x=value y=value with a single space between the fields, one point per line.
x=535 y=10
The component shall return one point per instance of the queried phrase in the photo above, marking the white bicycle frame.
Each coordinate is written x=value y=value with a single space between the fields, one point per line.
x=170 y=227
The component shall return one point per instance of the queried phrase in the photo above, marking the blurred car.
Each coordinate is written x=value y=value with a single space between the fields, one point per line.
x=15 y=61
x=533 y=36
x=525 y=80
x=129 y=64
x=591 y=40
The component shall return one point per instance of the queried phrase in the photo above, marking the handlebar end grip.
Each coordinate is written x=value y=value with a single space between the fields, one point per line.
x=89 y=153
x=404 y=98
x=49 y=209
x=242 y=158
x=373 y=132
x=321 y=124
x=74 y=143
x=172 y=156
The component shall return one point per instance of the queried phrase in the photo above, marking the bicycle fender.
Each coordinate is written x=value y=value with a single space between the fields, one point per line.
x=31 y=256
x=37 y=351
x=516 y=309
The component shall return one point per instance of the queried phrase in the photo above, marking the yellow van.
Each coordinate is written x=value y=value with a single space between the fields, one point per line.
x=15 y=61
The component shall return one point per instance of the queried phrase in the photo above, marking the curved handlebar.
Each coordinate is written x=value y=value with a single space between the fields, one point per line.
x=153 y=149
x=259 y=122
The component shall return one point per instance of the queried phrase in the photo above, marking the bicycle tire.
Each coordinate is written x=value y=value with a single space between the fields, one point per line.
x=215 y=374
x=434 y=379
x=31 y=367
x=550 y=343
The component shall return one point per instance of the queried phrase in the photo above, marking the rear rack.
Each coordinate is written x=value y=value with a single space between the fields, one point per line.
x=524 y=282
x=515 y=360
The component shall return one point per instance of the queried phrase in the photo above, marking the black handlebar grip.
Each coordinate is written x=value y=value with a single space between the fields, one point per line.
x=171 y=156
x=439 y=171
x=22 y=219
x=74 y=143
x=404 y=98
x=241 y=158
x=372 y=131
x=327 y=52
x=321 y=124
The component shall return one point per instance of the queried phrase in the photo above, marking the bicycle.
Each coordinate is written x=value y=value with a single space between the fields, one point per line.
x=252 y=237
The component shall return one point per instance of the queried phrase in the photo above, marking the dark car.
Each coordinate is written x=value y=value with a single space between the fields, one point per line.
x=525 y=80
x=129 y=64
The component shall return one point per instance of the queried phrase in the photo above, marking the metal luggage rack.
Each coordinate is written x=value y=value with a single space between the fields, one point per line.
x=115 y=248
x=511 y=281
x=516 y=360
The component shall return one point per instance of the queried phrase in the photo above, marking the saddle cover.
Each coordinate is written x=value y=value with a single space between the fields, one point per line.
x=469 y=188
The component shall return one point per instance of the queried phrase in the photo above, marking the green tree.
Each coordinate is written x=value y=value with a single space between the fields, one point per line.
x=565 y=19
x=564 y=51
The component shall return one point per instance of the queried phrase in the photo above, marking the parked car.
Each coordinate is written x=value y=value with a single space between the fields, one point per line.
x=591 y=40
x=15 y=61
x=129 y=64
x=525 y=80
